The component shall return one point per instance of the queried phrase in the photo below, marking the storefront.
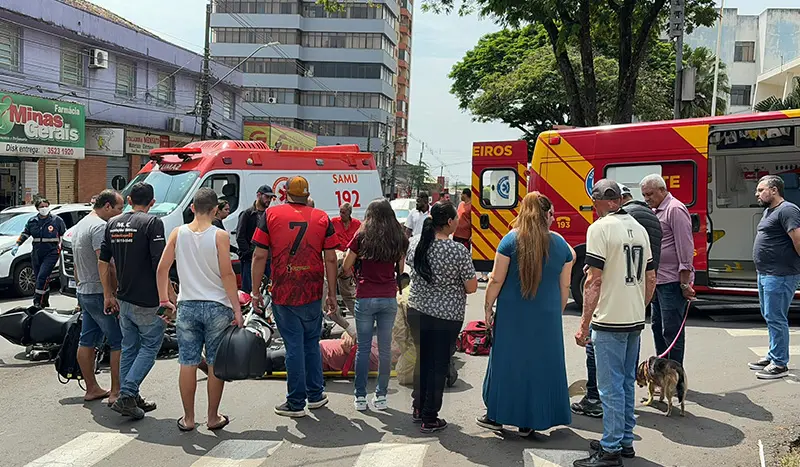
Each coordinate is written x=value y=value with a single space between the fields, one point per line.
x=34 y=129
x=139 y=144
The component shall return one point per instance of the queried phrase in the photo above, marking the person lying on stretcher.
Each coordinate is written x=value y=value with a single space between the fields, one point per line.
x=335 y=354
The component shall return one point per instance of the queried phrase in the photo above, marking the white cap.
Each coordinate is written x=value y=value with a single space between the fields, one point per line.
x=623 y=189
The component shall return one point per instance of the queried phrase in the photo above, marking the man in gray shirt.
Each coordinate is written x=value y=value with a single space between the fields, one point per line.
x=86 y=241
x=776 y=253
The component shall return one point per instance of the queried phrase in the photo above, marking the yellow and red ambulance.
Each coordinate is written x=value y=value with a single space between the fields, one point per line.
x=711 y=164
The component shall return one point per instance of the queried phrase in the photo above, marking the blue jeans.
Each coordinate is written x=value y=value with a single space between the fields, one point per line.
x=301 y=327
x=775 y=294
x=667 y=311
x=200 y=323
x=96 y=324
x=370 y=311
x=616 y=354
x=247 y=281
x=142 y=333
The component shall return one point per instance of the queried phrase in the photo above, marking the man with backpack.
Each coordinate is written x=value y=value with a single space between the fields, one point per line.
x=135 y=241
x=96 y=324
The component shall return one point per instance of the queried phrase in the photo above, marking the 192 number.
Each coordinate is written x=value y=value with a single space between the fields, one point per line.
x=349 y=196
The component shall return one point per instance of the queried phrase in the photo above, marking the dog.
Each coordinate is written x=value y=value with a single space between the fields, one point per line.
x=665 y=374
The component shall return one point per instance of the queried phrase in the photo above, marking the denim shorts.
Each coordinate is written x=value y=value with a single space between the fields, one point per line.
x=201 y=323
x=96 y=324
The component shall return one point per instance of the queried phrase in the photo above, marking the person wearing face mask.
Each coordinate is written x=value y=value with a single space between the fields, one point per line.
x=46 y=231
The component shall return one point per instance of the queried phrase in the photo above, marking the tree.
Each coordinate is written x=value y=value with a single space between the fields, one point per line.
x=772 y=103
x=417 y=176
x=703 y=61
x=624 y=29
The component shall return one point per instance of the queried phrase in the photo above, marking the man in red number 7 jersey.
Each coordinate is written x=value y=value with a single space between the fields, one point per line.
x=296 y=235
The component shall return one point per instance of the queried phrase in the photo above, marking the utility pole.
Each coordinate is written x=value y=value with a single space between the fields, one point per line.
x=384 y=177
x=716 y=62
x=676 y=24
x=205 y=103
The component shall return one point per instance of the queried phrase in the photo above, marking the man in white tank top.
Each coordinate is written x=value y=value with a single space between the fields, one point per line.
x=208 y=302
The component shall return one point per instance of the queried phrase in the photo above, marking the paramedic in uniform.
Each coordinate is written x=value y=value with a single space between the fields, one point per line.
x=620 y=281
x=46 y=230
x=296 y=235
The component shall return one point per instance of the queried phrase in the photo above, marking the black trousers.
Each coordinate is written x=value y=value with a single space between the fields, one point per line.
x=434 y=339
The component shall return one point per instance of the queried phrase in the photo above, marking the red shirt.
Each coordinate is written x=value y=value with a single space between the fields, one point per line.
x=464 y=229
x=345 y=235
x=375 y=279
x=296 y=235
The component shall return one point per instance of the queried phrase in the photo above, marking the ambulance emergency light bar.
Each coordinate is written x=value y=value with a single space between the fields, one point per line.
x=185 y=154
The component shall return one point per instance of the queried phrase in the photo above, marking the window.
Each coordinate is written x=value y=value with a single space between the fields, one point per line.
x=340 y=128
x=227 y=188
x=740 y=95
x=126 y=79
x=228 y=105
x=264 y=65
x=351 y=70
x=679 y=177
x=274 y=7
x=72 y=64
x=744 y=52
x=165 y=90
x=256 y=35
x=9 y=47
x=498 y=188
x=266 y=95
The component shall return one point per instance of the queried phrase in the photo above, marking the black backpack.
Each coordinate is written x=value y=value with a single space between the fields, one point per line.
x=66 y=361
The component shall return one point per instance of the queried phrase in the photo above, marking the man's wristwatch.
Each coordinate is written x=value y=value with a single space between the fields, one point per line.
x=685 y=286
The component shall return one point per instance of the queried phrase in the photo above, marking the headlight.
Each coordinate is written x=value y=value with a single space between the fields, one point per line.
x=6 y=250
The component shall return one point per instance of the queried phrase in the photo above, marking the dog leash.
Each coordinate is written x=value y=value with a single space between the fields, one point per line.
x=683 y=325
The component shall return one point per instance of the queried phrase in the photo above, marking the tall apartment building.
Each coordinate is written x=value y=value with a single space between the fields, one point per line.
x=403 y=79
x=757 y=50
x=329 y=73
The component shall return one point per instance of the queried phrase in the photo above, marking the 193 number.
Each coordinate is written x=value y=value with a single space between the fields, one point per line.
x=349 y=196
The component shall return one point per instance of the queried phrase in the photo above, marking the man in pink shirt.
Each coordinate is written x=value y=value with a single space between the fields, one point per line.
x=675 y=270
x=345 y=227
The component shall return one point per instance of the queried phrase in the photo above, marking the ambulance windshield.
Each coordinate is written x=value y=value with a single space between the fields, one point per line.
x=170 y=189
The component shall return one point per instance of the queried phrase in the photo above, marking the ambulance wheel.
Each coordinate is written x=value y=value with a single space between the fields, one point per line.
x=577 y=282
x=24 y=282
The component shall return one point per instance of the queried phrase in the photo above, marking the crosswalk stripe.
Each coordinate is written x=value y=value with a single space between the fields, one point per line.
x=755 y=332
x=391 y=455
x=238 y=453
x=552 y=457
x=85 y=450
x=762 y=351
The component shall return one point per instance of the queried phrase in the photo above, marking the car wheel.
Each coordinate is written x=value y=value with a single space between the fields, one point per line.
x=577 y=282
x=24 y=281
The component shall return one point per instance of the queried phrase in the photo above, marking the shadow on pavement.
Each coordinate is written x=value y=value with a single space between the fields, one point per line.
x=689 y=430
x=734 y=403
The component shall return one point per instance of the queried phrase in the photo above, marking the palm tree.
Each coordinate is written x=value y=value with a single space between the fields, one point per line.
x=771 y=103
x=703 y=60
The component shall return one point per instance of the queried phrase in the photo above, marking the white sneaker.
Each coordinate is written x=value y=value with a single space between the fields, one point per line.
x=360 y=404
x=380 y=403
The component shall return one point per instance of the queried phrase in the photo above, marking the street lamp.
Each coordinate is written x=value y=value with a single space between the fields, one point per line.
x=268 y=44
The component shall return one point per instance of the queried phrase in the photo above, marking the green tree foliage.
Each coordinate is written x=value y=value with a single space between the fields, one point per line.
x=417 y=176
x=772 y=103
x=578 y=30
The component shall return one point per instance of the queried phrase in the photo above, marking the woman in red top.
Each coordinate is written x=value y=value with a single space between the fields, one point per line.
x=378 y=252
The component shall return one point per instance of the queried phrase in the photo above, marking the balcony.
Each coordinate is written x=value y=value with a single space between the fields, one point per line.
x=402 y=80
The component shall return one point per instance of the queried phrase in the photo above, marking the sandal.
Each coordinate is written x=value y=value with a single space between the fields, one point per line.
x=183 y=427
x=223 y=424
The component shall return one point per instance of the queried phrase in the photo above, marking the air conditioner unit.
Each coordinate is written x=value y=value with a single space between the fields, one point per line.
x=272 y=100
x=98 y=58
x=174 y=124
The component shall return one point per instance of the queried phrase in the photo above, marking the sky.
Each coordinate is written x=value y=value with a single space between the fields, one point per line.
x=438 y=42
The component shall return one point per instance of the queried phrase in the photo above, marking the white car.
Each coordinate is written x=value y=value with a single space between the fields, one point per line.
x=17 y=271
x=402 y=207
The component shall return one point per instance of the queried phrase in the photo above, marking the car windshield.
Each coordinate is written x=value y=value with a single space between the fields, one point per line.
x=13 y=227
x=170 y=189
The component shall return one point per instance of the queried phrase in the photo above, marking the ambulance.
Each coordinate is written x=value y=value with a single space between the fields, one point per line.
x=235 y=170
x=711 y=164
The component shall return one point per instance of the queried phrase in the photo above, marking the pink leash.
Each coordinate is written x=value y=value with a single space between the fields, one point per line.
x=683 y=325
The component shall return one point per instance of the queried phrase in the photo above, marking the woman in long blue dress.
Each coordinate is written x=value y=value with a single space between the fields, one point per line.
x=526 y=381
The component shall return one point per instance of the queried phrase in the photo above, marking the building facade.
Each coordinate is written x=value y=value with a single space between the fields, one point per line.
x=333 y=74
x=403 y=80
x=137 y=92
x=754 y=48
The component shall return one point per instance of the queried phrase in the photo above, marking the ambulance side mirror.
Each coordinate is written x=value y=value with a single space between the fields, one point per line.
x=484 y=221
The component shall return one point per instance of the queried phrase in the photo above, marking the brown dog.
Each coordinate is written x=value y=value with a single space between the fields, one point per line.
x=665 y=374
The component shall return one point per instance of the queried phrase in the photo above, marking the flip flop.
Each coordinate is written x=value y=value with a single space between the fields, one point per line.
x=98 y=397
x=223 y=424
x=183 y=427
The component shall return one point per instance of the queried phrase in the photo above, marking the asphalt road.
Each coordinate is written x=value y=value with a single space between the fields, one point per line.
x=728 y=412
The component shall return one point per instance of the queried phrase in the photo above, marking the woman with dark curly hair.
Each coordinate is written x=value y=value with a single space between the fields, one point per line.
x=378 y=253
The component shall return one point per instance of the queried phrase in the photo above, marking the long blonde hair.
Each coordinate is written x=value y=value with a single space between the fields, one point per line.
x=533 y=241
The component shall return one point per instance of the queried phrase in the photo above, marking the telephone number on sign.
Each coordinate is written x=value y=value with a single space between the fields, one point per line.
x=56 y=151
